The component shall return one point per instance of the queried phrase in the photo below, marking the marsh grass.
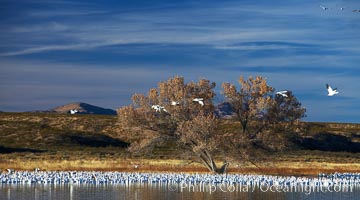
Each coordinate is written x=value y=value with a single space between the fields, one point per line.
x=151 y=165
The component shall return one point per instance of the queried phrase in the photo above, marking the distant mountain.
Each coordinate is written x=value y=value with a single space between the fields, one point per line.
x=82 y=108
x=224 y=110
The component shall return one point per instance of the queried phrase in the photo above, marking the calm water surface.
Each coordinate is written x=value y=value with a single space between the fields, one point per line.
x=158 y=191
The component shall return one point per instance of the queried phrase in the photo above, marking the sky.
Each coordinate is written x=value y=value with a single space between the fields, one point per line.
x=54 y=52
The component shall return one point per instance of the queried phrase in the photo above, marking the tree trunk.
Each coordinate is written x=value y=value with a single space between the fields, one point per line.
x=209 y=162
x=223 y=168
x=207 y=159
x=243 y=124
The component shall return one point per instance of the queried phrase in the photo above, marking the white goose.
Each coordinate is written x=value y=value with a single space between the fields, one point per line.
x=174 y=103
x=199 y=100
x=323 y=7
x=73 y=111
x=282 y=93
x=158 y=108
x=331 y=92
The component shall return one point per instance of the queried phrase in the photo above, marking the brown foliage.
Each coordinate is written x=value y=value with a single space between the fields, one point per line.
x=260 y=112
x=251 y=102
x=287 y=109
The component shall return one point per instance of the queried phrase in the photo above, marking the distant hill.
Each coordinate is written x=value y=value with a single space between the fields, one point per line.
x=224 y=110
x=82 y=108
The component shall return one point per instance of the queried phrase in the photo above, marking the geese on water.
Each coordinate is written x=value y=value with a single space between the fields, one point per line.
x=331 y=92
x=282 y=93
x=158 y=108
x=73 y=111
x=97 y=177
x=199 y=100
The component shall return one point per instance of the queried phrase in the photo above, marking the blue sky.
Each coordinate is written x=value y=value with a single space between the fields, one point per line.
x=101 y=52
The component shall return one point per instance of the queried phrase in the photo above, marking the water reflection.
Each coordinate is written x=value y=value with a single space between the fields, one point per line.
x=152 y=191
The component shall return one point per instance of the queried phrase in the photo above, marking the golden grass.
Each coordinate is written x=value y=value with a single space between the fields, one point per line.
x=43 y=140
x=168 y=165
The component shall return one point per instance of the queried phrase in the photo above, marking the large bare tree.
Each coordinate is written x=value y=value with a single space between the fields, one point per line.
x=176 y=110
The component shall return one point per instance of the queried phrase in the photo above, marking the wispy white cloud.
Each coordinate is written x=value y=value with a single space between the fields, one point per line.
x=66 y=13
x=47 y=27
x=43 y=48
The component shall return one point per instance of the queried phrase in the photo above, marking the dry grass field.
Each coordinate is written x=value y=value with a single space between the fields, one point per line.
x=94 y=142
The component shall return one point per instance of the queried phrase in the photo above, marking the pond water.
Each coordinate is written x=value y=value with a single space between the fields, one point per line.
x=167 y=191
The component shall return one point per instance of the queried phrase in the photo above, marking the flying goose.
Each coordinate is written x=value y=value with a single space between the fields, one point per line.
x=174 y=103
x=199 y=100
x=158 y=108
x=331 y=92
x=282 y=93
x=73 y=111
x=323 y=7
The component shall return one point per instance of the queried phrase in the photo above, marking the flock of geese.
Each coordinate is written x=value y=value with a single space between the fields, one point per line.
x=283 y=93
x=341 y=8
x=159 y=108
